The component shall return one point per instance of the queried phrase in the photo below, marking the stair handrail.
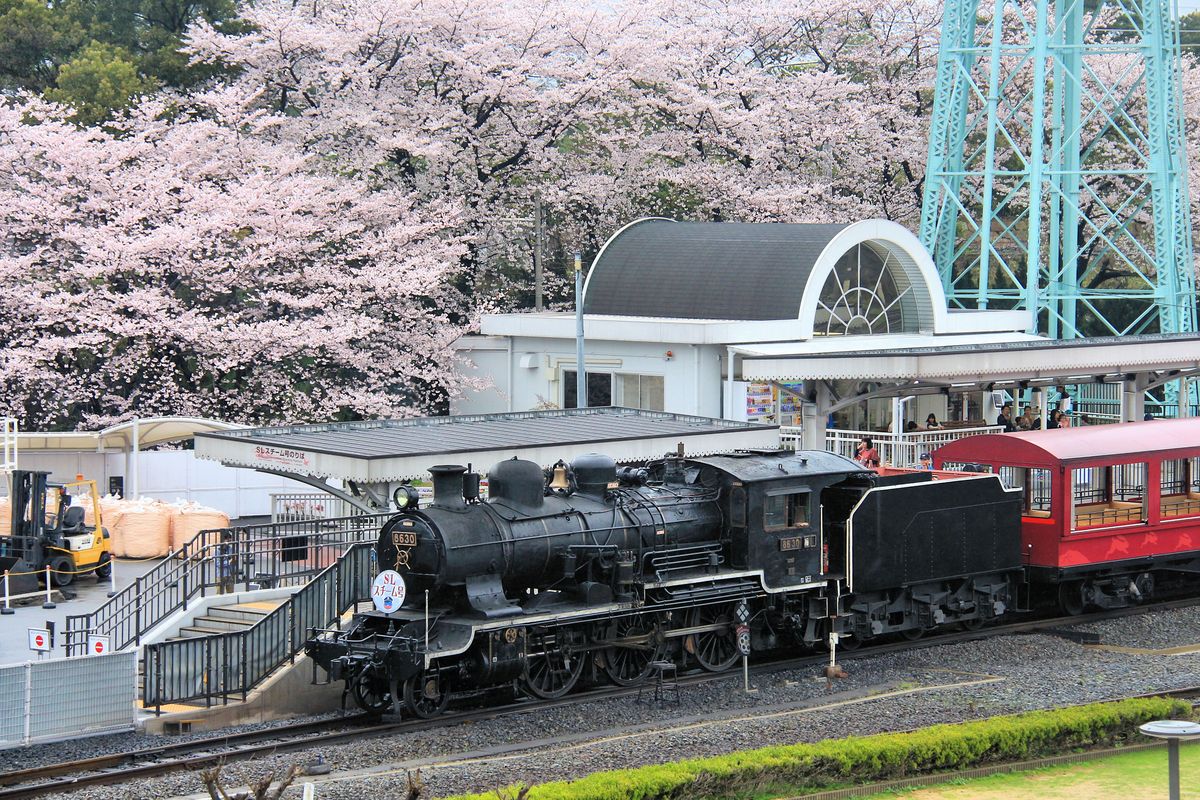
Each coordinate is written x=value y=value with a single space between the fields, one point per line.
x=195 y=568
x=220 y=666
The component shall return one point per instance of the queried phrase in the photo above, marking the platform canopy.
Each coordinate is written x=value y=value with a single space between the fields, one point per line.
x=145 y=432
x=985 y=359
x=387 y=451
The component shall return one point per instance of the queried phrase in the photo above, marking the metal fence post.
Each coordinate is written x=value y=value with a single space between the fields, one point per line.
x=28 y=699
x=208 y=687
x=245 y=666
x=137 y=612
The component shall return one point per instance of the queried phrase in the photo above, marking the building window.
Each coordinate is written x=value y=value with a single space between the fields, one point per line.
x=599 y=389
x=639 y=391
x=865 y=293
x=617 y=389
x=785 y=511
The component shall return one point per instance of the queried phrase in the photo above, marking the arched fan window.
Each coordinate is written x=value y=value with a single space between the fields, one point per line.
x=865 y=293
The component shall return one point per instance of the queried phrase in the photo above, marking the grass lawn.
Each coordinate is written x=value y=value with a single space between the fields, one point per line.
x=1133 y=776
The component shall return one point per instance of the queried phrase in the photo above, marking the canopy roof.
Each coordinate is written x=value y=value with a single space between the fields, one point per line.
x=1168 y=438
x=984 y=358
x=150 y=431
x=404 y=449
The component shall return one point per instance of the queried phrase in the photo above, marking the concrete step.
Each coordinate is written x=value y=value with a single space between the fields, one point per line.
x=251 y=612
x=225 y=623
x=196 y=631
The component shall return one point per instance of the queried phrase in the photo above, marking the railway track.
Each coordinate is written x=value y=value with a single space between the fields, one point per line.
x=117 y=768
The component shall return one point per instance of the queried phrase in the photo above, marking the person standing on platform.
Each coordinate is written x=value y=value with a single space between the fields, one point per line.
x=931 y=422
x=226 y=563
x=1005 y=418
x=867 y=455
x=926 y=462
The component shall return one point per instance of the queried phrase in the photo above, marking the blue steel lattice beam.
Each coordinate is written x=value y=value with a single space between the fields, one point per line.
x=1056 y=179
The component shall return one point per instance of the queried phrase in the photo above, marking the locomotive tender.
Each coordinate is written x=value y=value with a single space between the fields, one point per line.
x=597 y=571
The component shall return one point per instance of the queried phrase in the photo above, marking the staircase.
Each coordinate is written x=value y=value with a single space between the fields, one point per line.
x=223 y=619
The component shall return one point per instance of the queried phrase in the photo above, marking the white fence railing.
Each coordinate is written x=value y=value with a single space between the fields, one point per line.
x=65 y=698
x=899 y=451
x=8 y=444
x=305 y=506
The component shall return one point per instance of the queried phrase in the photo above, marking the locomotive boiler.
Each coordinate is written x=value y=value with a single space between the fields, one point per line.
x=587 y=571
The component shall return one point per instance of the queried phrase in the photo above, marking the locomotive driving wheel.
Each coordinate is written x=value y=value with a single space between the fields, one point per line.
x=370 y=693
x=426 y=695
x=627 y=663
x=556 y=660
x=716 y=649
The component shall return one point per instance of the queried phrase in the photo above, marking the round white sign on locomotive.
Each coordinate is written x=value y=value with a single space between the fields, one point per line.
x=388 y=591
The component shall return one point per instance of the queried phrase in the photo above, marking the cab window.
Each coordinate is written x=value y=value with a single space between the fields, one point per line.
x=785 y=511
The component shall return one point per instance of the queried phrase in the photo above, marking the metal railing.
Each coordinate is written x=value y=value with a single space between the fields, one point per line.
x=898 y=451
x=303 y=506
x=8 y=443
x=271 y=555
x=220 y=667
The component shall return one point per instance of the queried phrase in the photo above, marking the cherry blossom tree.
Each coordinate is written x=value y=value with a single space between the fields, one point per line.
x=189 y=263
x=303 y=237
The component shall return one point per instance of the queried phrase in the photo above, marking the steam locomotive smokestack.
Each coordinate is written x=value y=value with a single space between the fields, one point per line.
x=448 y=485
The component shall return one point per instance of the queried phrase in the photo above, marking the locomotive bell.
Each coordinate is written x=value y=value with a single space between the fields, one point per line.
x=559 y=481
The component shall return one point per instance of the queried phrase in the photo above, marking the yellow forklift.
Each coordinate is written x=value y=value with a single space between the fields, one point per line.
x=47 y=530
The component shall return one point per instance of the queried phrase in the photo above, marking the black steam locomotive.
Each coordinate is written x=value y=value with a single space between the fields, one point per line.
x=599 y=571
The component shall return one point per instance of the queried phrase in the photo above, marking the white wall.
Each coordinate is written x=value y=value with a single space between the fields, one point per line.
x=691 y=375
x=484 y=358
x=171 y=475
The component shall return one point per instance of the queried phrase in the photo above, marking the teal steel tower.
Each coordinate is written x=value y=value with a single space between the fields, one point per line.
x=1056 y=179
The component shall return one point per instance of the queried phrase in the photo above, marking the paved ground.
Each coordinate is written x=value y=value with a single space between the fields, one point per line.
x=89 y=594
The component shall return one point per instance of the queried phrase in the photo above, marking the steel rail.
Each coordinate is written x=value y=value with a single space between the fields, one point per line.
x=160 y=760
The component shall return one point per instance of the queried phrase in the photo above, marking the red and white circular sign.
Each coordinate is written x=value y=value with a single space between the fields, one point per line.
x=98 y=645
x=39 y=639
x=388 y=591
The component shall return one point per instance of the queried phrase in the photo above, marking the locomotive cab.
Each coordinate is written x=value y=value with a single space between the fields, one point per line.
x=774 y=502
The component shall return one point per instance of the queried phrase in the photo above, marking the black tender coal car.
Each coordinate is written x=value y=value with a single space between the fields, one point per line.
x=590 y=571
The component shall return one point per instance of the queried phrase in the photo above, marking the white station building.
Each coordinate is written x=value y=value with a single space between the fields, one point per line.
x=777 y=323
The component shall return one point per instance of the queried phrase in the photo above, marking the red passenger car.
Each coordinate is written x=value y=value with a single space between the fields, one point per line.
x=1106 y=508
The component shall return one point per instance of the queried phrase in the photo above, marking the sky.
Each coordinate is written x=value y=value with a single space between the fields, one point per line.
x=1188 y=6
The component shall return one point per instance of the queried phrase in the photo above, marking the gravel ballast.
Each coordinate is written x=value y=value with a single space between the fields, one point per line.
x=942 y=683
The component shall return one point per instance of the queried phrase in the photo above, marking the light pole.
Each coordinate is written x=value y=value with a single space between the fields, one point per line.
x=1174 y=731
x=580 y=376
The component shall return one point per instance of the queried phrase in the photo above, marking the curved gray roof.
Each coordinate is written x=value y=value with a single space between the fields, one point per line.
x=706 y=270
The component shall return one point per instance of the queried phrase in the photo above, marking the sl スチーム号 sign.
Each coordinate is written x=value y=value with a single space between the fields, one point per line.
x=388 y=590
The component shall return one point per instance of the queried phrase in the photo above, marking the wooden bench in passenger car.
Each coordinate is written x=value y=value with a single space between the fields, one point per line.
x=1117 y=511
x=1181 y=505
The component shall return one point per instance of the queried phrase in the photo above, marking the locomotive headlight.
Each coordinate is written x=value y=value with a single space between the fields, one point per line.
x=406 y=497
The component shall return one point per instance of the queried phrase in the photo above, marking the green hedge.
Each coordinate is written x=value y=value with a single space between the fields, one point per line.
x=801 y=767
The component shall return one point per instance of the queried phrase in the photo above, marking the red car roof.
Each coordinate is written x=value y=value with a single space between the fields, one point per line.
x=1085 y=443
